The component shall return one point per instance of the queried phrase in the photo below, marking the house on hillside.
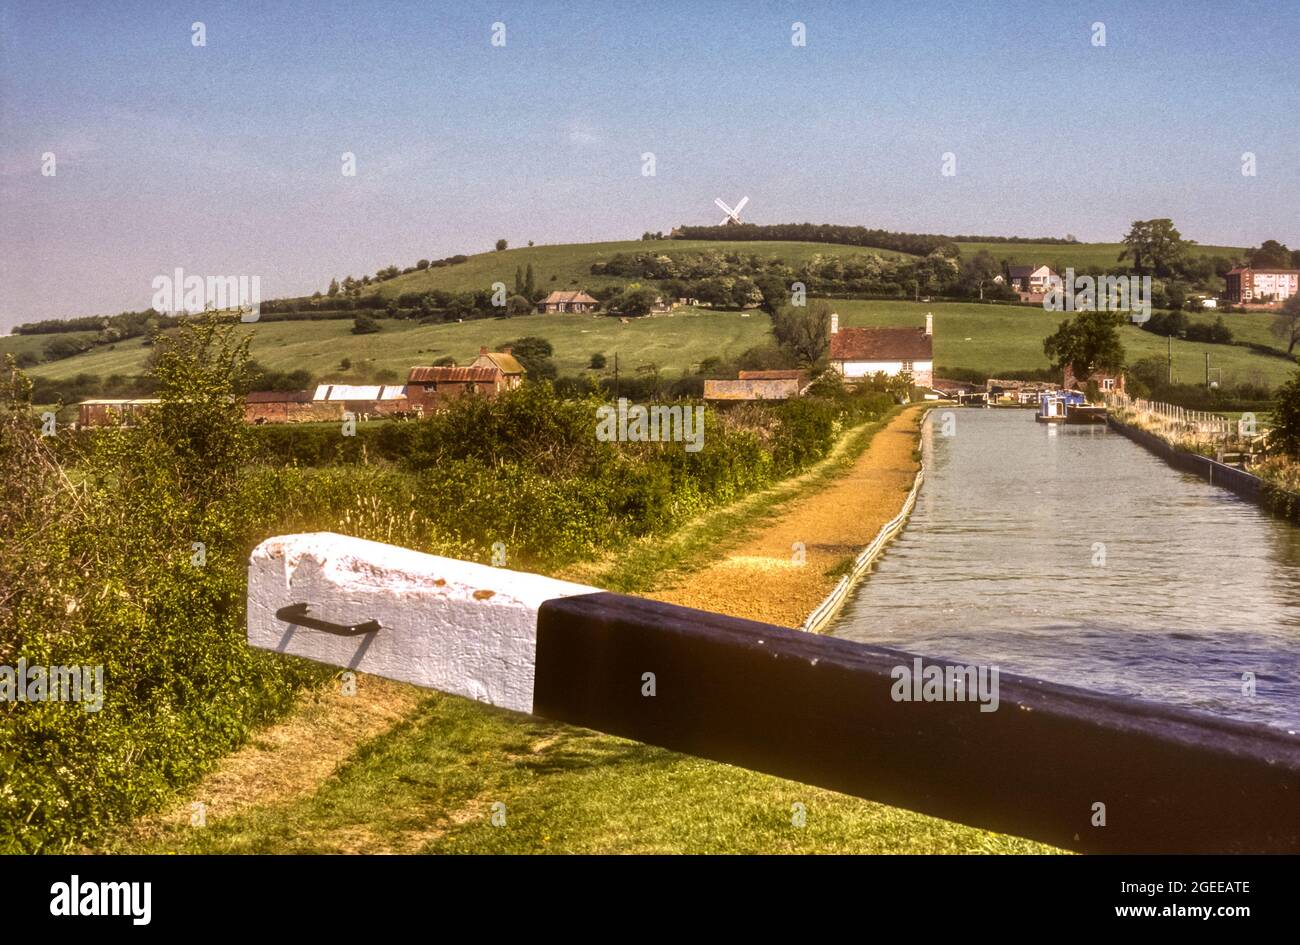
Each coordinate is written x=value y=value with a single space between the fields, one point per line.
x=558 y=301
x=757 y=385
x=1261 y=286
x=427 y=386
x=491 y=373
x=504 y=362
x=1030 y=282
x=861 y=352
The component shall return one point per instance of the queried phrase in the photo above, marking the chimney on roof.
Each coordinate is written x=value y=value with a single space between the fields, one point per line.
x=929 y=323
x=508 y=349
x=835 y=323
x=482 y=349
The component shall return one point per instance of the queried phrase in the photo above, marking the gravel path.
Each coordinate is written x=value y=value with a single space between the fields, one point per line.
x=761 y=579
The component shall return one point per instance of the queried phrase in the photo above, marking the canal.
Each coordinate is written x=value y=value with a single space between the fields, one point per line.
x=1071 y=554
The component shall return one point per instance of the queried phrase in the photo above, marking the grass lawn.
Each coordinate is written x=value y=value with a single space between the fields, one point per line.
x=429 y=785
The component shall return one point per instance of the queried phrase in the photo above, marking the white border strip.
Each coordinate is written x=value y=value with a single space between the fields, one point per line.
x=828 y=608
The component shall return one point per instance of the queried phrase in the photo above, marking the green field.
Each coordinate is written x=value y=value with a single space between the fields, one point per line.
x=985 y=338
x=988 y=338
x=35 y=344
x=995 y=338
x=568 y=265
x=1079 y=255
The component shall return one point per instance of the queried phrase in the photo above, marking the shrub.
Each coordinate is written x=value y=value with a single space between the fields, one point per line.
x=104 y=573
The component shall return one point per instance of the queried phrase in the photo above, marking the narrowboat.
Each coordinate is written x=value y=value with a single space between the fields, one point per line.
x=1054 y=405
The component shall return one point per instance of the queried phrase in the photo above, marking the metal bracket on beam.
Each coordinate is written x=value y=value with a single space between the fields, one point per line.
x=299 y=616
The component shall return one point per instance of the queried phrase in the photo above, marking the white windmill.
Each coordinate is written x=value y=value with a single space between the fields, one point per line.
x=732 y=217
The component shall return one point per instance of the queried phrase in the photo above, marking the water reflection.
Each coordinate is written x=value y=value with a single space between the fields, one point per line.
x=1072 y=554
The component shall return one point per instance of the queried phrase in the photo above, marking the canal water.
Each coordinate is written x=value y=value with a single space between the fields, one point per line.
x=1070 y=553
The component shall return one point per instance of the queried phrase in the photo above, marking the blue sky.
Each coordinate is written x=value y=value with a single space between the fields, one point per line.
x=226 y=159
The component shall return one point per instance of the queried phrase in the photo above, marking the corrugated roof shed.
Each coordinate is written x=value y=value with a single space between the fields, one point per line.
x=338 y=392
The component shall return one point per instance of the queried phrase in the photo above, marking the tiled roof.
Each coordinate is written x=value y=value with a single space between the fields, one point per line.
x=881 y=344
x=794 y=374
x=579 y=296
x=505 y=362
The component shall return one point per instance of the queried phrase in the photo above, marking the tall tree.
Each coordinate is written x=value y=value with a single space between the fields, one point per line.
x=1270 y=254
x=804 y=331
x=979 y=271
x=1285 y=434
x=1088 y=342
x=1155 y=246
x=530 y=285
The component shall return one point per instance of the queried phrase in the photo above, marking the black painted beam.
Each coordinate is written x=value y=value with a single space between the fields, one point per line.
x=819 y=710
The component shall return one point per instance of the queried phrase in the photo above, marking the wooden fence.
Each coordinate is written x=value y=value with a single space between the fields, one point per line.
x=1172 y=419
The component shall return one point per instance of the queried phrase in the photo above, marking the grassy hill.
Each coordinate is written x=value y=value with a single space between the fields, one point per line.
x=568 y=265
x=984 y=338
x=35 y=344
x=988 y=338
x=1079 y=255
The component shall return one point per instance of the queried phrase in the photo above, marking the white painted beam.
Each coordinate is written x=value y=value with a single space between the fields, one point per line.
x=455 y=626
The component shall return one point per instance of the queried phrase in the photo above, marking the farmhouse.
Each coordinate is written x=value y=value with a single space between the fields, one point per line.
x=861 y=352
x=489 y=374
x=1245 y=284
x=109 y=413
x=504 y=362
x=1031 y=282
x=757 y=385
x=578 y=301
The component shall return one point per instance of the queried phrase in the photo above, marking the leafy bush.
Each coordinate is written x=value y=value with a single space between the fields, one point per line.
x=98 y=566
x=103 y=572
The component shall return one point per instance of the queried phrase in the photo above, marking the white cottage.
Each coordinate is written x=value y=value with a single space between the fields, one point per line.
x=862 y=352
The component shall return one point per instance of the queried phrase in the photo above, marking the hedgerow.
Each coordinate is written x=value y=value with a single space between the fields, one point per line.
x=127 y=549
